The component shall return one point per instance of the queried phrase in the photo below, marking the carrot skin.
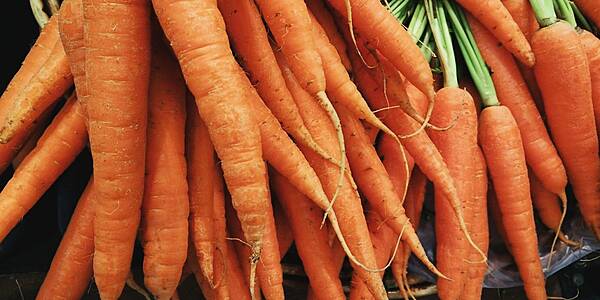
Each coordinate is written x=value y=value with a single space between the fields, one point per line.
x=591 y=46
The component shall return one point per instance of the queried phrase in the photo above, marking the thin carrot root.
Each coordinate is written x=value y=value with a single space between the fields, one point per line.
x=411 y=112
x=353 y=36
x=430 y=106
x=558 y=233
x=310 y=143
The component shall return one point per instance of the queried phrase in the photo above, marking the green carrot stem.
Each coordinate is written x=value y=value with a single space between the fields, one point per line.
x=441 y=34
x=544 y=12
x=564 y=11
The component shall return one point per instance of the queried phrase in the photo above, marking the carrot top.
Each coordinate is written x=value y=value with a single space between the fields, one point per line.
x=544 y=12
x=443 y=41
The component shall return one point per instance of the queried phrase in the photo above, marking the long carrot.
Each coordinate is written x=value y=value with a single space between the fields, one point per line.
x=70 y=24
x=61 y=143
x=572 y=123
x=591 y=9
x=591 y=46
x=201 y=174
x=71 y=268
x=221 y=90
x=540 y=153
x=311 y=241
x=165 y=207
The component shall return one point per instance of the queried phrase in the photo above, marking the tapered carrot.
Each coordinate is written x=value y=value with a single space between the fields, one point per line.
x=249 y=37
x=572 y=123
x=591 y=46
x=62 y=141
x=201 y=168
x=238 y=289
x=221 y=90
x=70 y=24
x=591 y=9
x=117 y=65
x=325 y=18
x=71 y=269
x=165 y=207
x=540 y=153
x=311 y=240
x=207 y=291
x=496 y=18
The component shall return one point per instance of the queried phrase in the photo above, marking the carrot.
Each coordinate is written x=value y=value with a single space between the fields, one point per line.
x=249 y=37
x=496 y=18
x=540 y=152
x=496 y=216
x=325 y=18
x=477 y=222
x=572 y=123
x=70 y=24
x=348 y=207
x=393 y=161
x=201 y=168
x=285 y=238
x=225 y=109
x=35 y=135
x=591 y=46
x=62 y=141
x=117 y=66
x=207 y=291
x=591 y=9
x=374 y=182
x=71 y=269
x=237 y=286
x=311 y=241
x=548 y=208
x=226 y=278
x=501 y=142
x=165 y=207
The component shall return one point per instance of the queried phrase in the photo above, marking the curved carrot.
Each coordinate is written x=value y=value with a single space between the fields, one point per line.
x=117 y=49
x=591 y=9
x=221 y=90
x=62 y=141
x=591 y=46
x=165 y=207
x=540 y=153
x=562 y=72
x=71 y=269
x=503 y=149
x=496 y=18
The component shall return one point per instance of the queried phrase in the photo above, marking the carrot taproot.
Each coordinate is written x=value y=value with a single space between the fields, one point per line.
x=70 y=25
x=496 y=18
x=591 y=9
x=201 y=168
x=117 y=70
x=540 y=153
x=250 y=40
x=60 y=144
x=572 y=124
x=71 y=269
x=591 y=46
x=325 y=18
x=311 y=241
x=221 y=90
x=503 y=150
x=477 y=221
x=165 y=206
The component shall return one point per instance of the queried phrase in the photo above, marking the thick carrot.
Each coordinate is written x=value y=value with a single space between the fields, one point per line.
x=563 y=73
x=165 y=207
x=311 y=240
x=540 y=153
x=503 y=149
x=221 y=90
x=496 y=18
x=201 y=168
x=457 y=146
x=348 y=206
x=71 y=269
x=591 y=46
x=477 y=222
x=62 y=141
x=375 y=183
x=70 y=24
x=591 y=9
x=249 y=37
x=325 y=18
x=117 y=66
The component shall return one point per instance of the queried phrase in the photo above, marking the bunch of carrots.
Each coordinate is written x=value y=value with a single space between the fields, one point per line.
x=221 y=132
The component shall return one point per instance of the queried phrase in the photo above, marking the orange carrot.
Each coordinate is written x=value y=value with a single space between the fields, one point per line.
x=562 y=73
x=165 y=207
x=496 y=18
x=62 y=141
x=513 y=93
x=285 y=238
x=70 y=24
x=591 y=46
x=591 y=9
x=222 y=91
x=503 y=149
x=117 y=66
x=71 y=269
x=238 y=289
x=311 y=241
x=201 y=168
x=496 y=215
x=224 y=276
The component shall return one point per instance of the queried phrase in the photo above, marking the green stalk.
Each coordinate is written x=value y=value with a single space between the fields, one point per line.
x=441 y=34
x=473 y=59
x=399 y=8
x=544 y=12
x=565 y=11
x=418 y=23
x=581 y=19
x=427 y=46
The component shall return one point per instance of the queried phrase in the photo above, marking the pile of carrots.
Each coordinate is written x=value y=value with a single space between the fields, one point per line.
x=223 y=131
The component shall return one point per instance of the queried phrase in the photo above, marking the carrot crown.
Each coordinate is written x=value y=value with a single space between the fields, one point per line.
x=419 y=30
x=544 y=12
x=564 y=11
